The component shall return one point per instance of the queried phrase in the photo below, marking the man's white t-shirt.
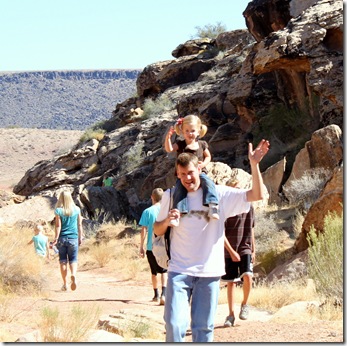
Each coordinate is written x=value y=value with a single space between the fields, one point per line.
x=197 y=244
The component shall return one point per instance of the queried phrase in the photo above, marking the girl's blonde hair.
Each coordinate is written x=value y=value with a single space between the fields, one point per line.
x=66 y=202
x=43 y=223
x=190 y=120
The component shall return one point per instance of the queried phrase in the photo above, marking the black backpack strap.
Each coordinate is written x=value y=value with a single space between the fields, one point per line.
x=168 y=231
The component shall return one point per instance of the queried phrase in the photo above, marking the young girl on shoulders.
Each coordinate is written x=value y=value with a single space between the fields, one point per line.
x=191 y=129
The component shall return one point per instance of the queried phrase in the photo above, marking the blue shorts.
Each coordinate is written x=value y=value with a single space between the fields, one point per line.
x=236 y=270
x=68 y=250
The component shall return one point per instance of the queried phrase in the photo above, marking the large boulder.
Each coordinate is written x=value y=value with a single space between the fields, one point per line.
x=193 y=47
x=156 y=78
x=273 y=178
x=31 y=209
x=234 y=41
x=292 y=270
x=330 y=200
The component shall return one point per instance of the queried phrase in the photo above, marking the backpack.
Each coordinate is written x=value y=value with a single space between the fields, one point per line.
x=161 y=244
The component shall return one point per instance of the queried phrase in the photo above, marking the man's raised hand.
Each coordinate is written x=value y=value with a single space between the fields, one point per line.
x=256 y=155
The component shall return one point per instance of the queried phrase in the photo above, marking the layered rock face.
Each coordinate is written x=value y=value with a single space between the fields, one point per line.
x=281 y=80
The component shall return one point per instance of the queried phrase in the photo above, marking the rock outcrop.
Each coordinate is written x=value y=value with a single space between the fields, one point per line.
x=283 y=84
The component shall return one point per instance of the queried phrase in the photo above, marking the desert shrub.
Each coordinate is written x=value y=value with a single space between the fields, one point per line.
x=268 y=238
x=133 y=157
x=71 y=328
x=92 y=133
x=153 y=108
x=305 y=190
x=288 y=124
x=297 y=221
x=209 y=30
x=115 y=244
x=214 y=73
x=273 y=296
x=93 y=168
x=325 y=265
x=102 y=253
x=265 y=231
x=20 y=267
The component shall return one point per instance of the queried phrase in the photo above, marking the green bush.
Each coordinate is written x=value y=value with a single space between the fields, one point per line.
x=92 y=133
x=153 y=108
x=325 y=265
x=133 y=157
x=210 y=30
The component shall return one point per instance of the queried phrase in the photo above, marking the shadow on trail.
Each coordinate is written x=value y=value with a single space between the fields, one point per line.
x=125 y=301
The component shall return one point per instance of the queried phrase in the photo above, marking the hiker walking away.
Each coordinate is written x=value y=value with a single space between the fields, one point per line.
x=147 y=220
x=40 y=240
x=191 y=128
x=197 y=247
x=68 y=236
x=239 y=256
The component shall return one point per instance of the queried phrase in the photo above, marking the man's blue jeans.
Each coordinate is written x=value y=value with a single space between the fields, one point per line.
x=209 y=194
x=202 y=294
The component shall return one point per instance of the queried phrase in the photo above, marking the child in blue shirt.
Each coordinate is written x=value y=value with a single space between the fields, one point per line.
x=40 y=240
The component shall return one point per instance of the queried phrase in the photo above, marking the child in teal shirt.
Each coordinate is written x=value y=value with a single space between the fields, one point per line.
x=40 y=240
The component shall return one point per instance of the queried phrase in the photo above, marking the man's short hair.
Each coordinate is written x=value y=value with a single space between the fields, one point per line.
x=184 y=159
x=157 y=194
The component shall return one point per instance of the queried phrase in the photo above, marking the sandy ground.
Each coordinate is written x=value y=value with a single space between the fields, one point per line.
x=104 y=288
x=21 y=149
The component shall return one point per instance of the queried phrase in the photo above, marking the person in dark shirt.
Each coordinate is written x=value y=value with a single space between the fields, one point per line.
x=239 y=253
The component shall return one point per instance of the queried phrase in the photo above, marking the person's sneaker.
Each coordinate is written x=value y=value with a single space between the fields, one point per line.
x=63 y=288
x=244 y=312
x=155 y=299
x=162 y=300
x=174 y=222
x=213 y=211
x=229 y=321
x=73 y=283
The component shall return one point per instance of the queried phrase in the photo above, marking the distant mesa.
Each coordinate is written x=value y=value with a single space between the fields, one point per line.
x=65 y=100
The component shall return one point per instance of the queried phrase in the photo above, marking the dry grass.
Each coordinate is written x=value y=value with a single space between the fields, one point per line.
x=21 y=270
x=74 y=327
x=297 y=222
x=5 y=307
x=275 y=296
x=115 y=245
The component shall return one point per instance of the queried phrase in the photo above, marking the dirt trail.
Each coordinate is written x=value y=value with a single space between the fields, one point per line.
x=104 y=288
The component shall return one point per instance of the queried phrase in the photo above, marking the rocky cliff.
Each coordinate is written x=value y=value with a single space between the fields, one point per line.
x=282 y=79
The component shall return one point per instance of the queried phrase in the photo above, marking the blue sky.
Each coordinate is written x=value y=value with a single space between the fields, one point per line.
x=104 y=34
